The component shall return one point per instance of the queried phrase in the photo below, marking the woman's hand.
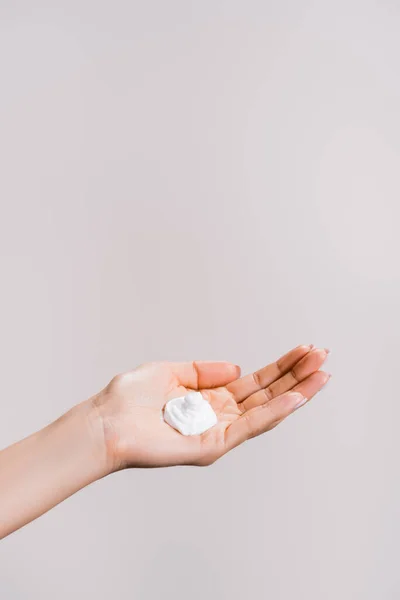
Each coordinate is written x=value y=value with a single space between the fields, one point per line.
x=123 y=426
x=130 y=407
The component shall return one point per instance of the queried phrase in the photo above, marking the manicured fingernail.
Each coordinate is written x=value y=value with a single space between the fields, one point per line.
x=327 y=350
x=325 y=384
x=299 y=400
x=303 y=401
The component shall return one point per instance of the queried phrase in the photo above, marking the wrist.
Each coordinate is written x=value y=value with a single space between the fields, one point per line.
x=50 y=465
x=84 y=427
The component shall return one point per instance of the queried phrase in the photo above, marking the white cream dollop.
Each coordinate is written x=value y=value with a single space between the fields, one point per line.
x=190 y=414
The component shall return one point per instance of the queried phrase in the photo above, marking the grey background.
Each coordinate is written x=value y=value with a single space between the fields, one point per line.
x=215 y=180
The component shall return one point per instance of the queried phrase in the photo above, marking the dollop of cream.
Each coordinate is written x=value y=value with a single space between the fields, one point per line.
x=190 y=414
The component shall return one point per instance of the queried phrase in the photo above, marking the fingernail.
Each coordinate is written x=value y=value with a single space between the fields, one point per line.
x=327 y=350
x=311 y=346
x=299 y=400
x=325 y=384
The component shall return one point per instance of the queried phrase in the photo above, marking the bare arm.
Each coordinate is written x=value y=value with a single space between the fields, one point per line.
x=122 y=427
x=45 y=468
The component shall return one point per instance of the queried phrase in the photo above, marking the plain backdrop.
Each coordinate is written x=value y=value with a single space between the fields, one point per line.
x=206 y=180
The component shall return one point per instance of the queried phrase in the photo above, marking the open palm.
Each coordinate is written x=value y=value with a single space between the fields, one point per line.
x=131 y=406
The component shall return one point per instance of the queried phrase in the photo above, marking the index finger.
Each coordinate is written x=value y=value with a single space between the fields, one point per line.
x=262 y=418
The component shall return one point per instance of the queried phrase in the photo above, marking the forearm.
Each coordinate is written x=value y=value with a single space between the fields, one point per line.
x=42 y=470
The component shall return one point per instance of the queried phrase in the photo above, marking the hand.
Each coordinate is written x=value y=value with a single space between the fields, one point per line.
x=130 y=407
x=123 y=426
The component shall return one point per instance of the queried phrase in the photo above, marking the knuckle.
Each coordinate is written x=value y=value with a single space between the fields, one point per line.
x=117 y=380
x=120 y=380
x=268 y=393
x=280 y=367
x=256 y=378
x=272 y=412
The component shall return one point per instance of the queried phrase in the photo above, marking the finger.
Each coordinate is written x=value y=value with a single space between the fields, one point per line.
x=247 y=385
x=263 y=418
x=316 y=381
x=201 y=374
x=309 y=364
x=312 y=384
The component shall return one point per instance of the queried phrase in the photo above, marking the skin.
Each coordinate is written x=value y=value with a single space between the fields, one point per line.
x=122 y=427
